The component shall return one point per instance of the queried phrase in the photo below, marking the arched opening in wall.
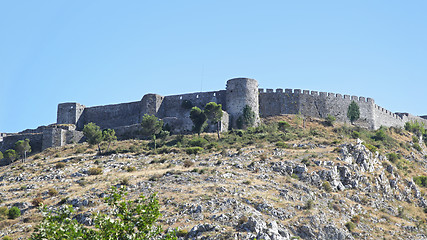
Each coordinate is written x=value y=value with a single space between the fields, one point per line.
x=197 y=96
x=180 y=98
x=214 y=94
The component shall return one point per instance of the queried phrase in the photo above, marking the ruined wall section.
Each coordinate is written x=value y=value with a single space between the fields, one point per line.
x=110 y=116
x=10 y=140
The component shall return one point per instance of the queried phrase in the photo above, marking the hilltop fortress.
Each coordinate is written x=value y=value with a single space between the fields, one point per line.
x=125 y=118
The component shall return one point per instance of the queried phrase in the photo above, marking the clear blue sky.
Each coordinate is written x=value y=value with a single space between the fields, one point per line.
x=104 y=52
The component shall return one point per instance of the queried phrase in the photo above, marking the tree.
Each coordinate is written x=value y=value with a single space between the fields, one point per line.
x=247 y=119
x=23 y=147
x=353 y=112
x=330 y=120
x=10 y=155
x=93 y=134
x=198 y=117
x=151 y=126
x=109 y=135
x=125 y=219
x=214 y=113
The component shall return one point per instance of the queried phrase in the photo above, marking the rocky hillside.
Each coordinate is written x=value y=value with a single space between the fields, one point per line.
x=295 y=180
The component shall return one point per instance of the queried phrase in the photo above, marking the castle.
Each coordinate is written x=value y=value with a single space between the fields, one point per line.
x=125 y=118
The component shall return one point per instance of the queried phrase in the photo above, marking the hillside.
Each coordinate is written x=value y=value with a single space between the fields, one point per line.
x=305 y=180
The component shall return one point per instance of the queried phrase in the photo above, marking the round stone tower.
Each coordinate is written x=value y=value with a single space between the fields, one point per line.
x=241 y=92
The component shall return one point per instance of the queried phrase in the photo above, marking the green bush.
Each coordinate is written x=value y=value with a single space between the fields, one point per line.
x=283 y=125
x=94 y=171
x=392 y=157
x=14 y=213
x=380 y=135
x=124 y=219
x=329 y=120
x=327 y=186
x=198 y=142
x=350 y=226
x=52 y=192
x=370 y=147
x=309 y=204
x=7 y=238
x=355 y=134
x=420 y=180
x=417 y=147
x=282 y=145
x=193 y=150
x=4 y=213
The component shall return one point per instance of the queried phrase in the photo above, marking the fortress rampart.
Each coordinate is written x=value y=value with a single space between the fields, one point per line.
x=125 y=117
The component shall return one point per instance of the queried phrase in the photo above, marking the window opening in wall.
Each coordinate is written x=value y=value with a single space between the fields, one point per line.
x=214 y=94
x=197 y=96
x=180 y=98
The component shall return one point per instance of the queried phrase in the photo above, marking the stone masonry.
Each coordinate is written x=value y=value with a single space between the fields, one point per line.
x=125 y=117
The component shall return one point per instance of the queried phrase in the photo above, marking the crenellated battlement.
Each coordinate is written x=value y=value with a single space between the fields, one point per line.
x=314 y=93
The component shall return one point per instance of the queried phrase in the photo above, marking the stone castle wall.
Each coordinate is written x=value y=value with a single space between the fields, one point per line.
x=126 y=117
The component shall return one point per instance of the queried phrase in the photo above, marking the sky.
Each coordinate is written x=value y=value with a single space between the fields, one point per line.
x=106 y=52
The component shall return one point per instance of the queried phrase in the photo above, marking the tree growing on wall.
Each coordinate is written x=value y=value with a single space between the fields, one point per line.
x=23 y=147
x=1 y=155
x=198 y=117
x=214 y=113
x=151 y=126
x=353 y=112
x=109 y=135
x=247 y=119
x=93 y=134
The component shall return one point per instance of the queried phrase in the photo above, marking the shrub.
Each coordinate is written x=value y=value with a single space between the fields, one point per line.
x=94 y=171
x=420 y=181
x=327 y=186
x=193 y=150
x=136 y=220
x=370 y=147
x=14 y=213
x=309 y=204
x=417 y=147
x=392 y=157
x=4 y=213
x=198 y=142
x=59 y=165
x=38 y=201
x=7 y=238
x=283 y=125
x=182 y=233
x=329 y=120
x=52 y=192
x=355 y=219
x=282 y=145
x=355 y=134
x=350 y=226
x=130 y=169
x=124 y=181
x=380 y=135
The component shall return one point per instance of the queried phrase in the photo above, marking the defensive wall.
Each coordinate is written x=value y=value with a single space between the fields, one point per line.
x=125 y=118
x=320 y=104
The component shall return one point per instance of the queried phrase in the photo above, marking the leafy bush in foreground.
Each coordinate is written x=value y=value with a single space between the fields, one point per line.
x=126 y=219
